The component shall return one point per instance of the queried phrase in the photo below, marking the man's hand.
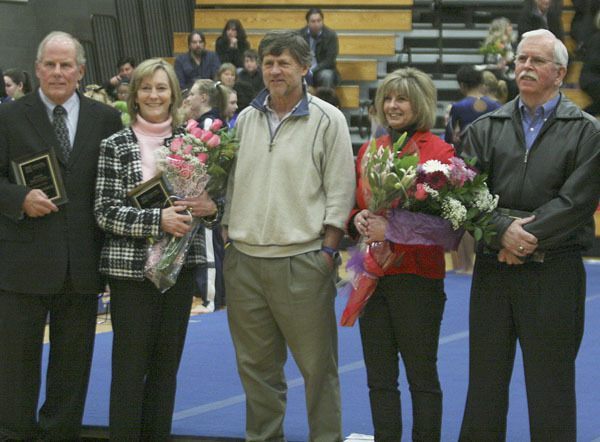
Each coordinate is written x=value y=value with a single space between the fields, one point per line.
x=506 y=257
x=38 y=204
x=517 y=240
x=174 y=222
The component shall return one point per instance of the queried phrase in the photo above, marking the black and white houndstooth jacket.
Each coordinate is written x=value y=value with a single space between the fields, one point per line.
x=127 y=228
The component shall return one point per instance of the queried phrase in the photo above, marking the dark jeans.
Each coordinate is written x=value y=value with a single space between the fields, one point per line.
x=404 y=315
x=149 y=333
x=542 y=306
x=72 y=319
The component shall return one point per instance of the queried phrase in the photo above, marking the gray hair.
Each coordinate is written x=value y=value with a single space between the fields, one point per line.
x=561 y=55
x=60 y=35
x=275 y=42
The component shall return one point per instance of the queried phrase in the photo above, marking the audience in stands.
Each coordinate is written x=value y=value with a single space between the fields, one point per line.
x=582 y=25
x=49 y=252
x=197 y=62
x=404 y=314
x=496 y=89
x=251 y=73
x=324 y=48
x=3 y=95
x=17 y=83
x=232 y=43
x=541 y=14
x=226 y=74
x=589 y=79
x=231 y=106
x=467 y=110
x=541 y=154
x=97 y=93
x=125 y=67
x=287 y=201
x=245 y=94
x=149 y=326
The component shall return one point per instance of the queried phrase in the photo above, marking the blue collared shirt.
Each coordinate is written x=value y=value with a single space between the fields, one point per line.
x=532 y=124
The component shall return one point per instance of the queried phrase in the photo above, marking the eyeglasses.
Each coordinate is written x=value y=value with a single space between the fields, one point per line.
x=533 y=60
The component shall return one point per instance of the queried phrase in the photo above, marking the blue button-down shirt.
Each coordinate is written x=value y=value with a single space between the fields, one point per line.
x=532 y=124
x=188 y=70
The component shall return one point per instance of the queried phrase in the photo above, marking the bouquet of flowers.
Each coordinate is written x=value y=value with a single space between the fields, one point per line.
x=433 y=203
x=191 y=163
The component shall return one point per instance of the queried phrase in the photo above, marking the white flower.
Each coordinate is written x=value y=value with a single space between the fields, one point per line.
x=485 y=201
x=431 y=166
x=454 y=211
x=434 y=193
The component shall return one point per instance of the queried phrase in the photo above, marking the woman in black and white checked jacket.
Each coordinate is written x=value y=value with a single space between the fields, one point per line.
x=149 y=326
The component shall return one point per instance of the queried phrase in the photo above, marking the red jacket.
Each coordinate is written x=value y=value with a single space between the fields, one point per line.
x=425 y=261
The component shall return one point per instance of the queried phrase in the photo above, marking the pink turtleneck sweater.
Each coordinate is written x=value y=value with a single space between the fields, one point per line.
x=150 y=137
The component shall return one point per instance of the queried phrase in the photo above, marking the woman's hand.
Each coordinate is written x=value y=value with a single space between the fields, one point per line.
x=175 y=220
x=200 y=207
x=361 y=221
x=376 y=226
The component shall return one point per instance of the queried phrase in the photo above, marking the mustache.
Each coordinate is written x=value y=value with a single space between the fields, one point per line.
x=530 y=75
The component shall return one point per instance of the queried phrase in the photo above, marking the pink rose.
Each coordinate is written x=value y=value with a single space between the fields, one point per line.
x=176 y=143
x=185 y=171
x=207 y=135
x=421 y=193
x=196 y=132
x=202 y=157
x=214 y=141
x=187 y=149
x=216 y=125
x=175 y=157
x=191 y=124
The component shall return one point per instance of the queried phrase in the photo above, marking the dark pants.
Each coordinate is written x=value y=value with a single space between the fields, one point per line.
x=72 y=319
x=541 y=305
x=404 y=315
x=149 y=334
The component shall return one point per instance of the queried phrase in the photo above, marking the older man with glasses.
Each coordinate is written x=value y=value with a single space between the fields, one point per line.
x=541 y=152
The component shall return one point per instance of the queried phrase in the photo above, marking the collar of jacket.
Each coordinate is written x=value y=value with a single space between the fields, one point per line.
x=565 y=110
x=301 y=109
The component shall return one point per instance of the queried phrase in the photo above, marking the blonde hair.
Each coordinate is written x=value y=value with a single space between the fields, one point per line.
x=97 y=93
x=495 y=88
x=417 y=87
x=146 y=69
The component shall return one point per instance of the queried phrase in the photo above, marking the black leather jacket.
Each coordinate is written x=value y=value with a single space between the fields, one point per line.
x=558 y=179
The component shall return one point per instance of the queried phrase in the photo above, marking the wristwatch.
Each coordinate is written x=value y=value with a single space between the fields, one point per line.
x=337 y=258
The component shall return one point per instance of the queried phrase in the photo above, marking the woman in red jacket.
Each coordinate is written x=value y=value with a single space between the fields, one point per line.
x=405 y=312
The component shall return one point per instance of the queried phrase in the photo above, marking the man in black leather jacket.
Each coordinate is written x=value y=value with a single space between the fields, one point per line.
x=542 y=156
x=324 y=48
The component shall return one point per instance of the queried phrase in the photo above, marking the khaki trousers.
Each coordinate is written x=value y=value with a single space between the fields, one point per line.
x=273 y=304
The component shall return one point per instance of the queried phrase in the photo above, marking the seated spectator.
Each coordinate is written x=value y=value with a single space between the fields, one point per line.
x=589 y=80
x=496 y=89
x=230 y=113
x=251 y=72
x=582 y=25
x=467 y=110
x=3 y=95
x=245 y=94
x=123 y=90
x=226 y=74
x=125 y=67
x=328 y=94
x=232 y=43
x=16 y=83
x=324 y=48
x=541 y=14
x=97 y=93
x=197 y=63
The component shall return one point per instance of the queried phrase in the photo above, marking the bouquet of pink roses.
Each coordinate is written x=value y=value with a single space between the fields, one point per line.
x=194 y=162
x=437 y=203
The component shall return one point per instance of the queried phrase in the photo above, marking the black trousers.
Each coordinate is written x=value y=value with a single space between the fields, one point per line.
x=404 y=315
x=149 y=333
x=72 y=319
x=542 y=306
